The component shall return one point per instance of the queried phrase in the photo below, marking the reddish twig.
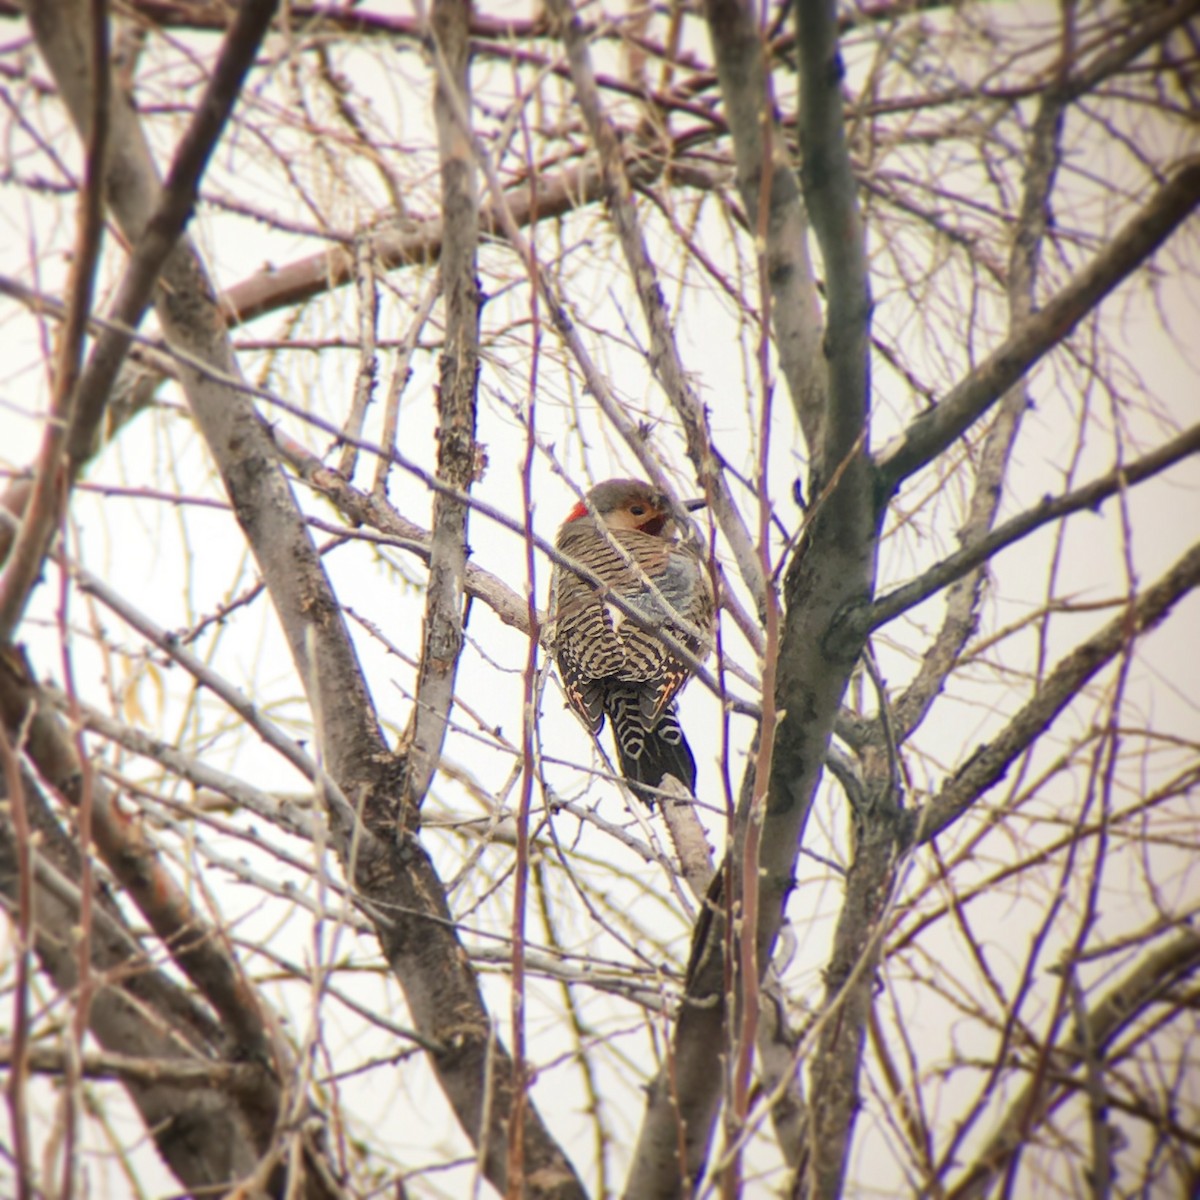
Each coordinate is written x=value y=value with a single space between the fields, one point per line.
x=15 y=1091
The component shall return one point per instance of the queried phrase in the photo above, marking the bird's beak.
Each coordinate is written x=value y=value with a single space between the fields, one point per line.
x=693 y=505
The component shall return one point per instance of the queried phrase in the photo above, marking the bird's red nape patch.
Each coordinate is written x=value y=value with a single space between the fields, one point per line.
x=580 y=510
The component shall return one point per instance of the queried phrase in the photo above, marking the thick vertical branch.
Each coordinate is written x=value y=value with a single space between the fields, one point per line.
x=833 y=572
x=850 y=985
x=393 y=873
x=443 y=637
x=836 y=570
x=879 y=827
x=760 y=152
x=16 y=882
x=832 y=198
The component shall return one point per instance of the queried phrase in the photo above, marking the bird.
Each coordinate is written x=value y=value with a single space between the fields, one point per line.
x=625 y=534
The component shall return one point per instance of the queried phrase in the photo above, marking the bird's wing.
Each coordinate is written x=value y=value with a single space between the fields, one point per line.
x=594 y=639
x=586 y=646
x=682 y=582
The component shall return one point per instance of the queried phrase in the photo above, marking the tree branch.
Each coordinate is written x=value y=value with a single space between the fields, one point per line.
x=989 y=763
x=1133 y=244
x=831 y=196
x=763 y=162
x=1124 y=1001
x=394 y=874
x=407 y=242
x=199 y=950
x=442 y=642
x=833 y=569
x=1024 y=259
x=139 y=1011
x=1089 y=496
x=154 y=242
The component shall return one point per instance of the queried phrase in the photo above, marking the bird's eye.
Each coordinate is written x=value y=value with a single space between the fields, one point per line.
x=637 y=510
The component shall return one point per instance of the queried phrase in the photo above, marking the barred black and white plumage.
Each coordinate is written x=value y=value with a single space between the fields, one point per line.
x=612 y=667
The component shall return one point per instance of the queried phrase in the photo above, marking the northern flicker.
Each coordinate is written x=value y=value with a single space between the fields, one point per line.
x=610 y=666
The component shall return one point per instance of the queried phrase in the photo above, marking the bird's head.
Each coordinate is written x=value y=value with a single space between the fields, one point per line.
x=630 y=504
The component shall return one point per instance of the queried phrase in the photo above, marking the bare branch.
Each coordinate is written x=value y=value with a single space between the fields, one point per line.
x=139 y=1011
x=1024 y=258
x=406 y=242
x=1039 y=333
x=1123 y=1003
x=989 y=763
x=767 y=178
x=457 y=452
x=199 y=950
x=1089 y=496
x=143 y=1070
x=396 y=875
x=154 y=243
x=831 y=195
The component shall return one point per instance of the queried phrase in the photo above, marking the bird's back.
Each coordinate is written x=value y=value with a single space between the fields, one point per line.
x=659 y=579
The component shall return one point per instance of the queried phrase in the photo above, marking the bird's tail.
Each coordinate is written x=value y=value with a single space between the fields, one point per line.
x=649 y=747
